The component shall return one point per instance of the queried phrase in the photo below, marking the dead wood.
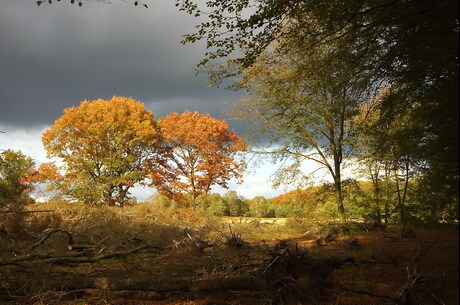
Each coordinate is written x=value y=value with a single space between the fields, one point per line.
x=403 y=294
x=413 y=278
x=78 y=257
x=35 y=257
x=351 y=243
x=435 y=297
x=49 y=234
x=361 y=225
x=329 y=237
x=25 y=212
x=232 y=239
x=371 y=294
x=239 y=282
x=192 y=242
x=287 y=273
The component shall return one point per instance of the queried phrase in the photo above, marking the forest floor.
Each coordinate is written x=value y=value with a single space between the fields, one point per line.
x=410 y=266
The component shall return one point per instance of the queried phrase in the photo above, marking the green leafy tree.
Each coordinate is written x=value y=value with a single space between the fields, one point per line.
x=407 y=40
x=236 y=204
x=306 y=104
x=16 y=170
x=258 y=206
x=214 y=205
x=412 y=46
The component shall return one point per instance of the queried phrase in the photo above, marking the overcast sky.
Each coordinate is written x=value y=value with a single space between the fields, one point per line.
x=54 y=56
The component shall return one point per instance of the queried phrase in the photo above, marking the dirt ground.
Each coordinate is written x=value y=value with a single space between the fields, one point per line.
x=415 y=266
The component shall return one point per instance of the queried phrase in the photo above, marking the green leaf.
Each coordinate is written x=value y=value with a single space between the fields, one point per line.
x=39 y=2
x=80 y=4
x=72 y=1
x=136 y=3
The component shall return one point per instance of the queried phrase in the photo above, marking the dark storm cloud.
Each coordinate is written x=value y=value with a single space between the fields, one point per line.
x=54 y=56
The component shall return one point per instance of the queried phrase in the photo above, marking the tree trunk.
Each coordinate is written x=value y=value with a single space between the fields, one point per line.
x=377 y=215
x=339 y=199
x=402 y=218
x=338 y=186
x=387 y=194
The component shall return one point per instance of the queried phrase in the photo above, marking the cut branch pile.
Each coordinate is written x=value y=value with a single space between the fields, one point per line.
x=232 y=238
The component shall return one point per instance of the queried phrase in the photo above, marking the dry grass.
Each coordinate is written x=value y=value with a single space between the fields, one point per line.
x=281 y=263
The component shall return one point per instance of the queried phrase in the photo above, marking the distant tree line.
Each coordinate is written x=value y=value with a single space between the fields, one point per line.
x=317 y=203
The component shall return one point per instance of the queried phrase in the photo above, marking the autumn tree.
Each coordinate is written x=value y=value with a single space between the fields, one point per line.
x=105 y=146
x=15 y=172
x=203 y=153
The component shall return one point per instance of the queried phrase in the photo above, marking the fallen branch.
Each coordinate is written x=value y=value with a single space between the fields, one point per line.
x=275 y=260
x=26 y=212
x=413 y=277
x=50 y=233
x=34 y=257
x=435 y=297
x=240 y=282
x=371 y=294
x=74 y=257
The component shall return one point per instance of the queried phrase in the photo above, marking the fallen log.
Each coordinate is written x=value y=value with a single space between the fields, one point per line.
x=238 y=282
x=75 y=257
x=25 y=212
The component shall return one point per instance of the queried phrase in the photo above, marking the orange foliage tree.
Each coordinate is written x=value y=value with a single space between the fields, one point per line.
x=105 y=147
x=203 y=152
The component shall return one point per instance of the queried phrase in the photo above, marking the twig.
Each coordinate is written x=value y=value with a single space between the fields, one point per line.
x=435 y=297
x=44 y=238
x=74 y=257
x=277 y=258
x=413 y=277
x=371 y=294
x=339 y=298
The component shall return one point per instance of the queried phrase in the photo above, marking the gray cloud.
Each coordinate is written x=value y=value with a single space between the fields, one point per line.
x=54 y=56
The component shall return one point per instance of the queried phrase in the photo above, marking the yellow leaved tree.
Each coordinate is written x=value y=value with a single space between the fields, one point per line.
x=105 y=147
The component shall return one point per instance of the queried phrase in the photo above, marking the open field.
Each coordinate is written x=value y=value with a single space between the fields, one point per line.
x=230 y=219
x=150 y=256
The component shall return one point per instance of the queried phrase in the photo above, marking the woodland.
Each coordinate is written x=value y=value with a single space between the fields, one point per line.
x=368 y=86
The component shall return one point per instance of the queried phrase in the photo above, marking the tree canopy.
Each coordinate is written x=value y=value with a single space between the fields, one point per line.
x=306 y=104
x=105 y=147
x=409 y=47
x=15 y=172
x=202 y=154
